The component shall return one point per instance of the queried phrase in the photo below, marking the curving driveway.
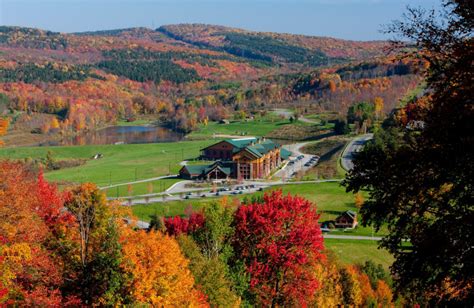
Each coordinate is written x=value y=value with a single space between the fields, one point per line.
x=353 y=147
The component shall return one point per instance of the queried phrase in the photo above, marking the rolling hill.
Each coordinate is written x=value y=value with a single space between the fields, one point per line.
x=185 y=74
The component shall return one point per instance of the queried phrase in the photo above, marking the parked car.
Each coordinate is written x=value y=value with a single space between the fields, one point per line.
x=325 y=230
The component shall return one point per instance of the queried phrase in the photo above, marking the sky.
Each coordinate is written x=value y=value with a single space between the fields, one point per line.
x=347 y=19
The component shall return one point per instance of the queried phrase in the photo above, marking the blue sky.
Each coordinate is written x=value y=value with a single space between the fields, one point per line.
x=348 y=19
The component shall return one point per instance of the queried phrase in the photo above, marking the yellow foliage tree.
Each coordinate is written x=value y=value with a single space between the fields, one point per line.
x=358 y=200
x=378 y=104
x=54 y=123
x=159 y=271
x=330 y=292
x=352 y=291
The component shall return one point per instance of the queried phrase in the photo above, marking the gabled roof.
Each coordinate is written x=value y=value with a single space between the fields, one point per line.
x=351 y=214
x=205 y=169
x=225 y=170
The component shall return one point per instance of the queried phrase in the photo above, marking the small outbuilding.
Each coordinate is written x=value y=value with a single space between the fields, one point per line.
x=348 y=219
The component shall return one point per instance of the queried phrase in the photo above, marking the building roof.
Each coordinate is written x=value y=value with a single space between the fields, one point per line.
x=241 y=142
x=284 y=153
x=205 y=169
x=225 y=170
x=195 y=169
x=351 y=214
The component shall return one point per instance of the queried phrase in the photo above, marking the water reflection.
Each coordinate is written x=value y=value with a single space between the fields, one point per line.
x=121 y=135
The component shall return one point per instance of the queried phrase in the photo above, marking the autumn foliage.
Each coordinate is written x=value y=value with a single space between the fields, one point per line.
x=178 y=225
x=74 y=248
x=85 y=255
x=279 y=241
x=3 y=128
x=159 y=272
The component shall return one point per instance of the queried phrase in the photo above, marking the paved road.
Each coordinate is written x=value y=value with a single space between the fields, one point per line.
x=352 y=237
x=353 y=147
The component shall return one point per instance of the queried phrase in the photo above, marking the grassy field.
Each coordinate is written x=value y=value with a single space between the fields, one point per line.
x=256 y=127
x=141 y=188
x=359 y=251
x=121 y=163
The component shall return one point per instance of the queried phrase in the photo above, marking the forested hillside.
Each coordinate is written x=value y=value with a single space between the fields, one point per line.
x=184 y=75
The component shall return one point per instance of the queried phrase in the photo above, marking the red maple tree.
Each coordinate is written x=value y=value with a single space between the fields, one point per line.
x=178 y=225
x=279 y=241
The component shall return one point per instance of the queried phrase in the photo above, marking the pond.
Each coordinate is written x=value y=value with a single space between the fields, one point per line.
x=120 y=135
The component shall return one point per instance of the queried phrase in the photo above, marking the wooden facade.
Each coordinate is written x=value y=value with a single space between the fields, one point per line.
x=251 y=158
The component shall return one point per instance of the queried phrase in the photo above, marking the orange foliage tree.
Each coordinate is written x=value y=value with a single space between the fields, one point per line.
x=159 y=271
x=3 y=128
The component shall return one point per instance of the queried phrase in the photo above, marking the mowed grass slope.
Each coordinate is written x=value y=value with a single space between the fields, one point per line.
x=359 y=251
x=120 y=163
x=256 y=127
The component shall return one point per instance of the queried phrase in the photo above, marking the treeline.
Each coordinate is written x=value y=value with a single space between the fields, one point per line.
x=74 y=248
x=155 y=70
x=266 y=48
x=147 y=54
x=376 y=69
x=32 y=38
x=49 y=72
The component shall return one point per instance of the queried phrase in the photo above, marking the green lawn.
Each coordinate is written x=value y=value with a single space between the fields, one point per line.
x=359 y=251
x=330 y=198
x=171 y=208
x=121 y=163
x=141 y=188
x=256 y=127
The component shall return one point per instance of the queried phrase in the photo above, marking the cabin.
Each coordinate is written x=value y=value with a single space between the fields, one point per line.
x=348 y=219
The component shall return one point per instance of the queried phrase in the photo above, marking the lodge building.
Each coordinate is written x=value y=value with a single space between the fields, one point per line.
x=243 y=158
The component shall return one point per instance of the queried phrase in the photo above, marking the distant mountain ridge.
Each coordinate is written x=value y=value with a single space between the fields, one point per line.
x=259 y=46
